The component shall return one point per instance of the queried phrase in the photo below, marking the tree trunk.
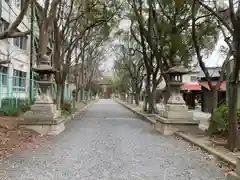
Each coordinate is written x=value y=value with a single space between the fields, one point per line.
x=58 y=96
x=232 y=116
x=77 y=95
x=147 y=93
x=214 y=99
x=166 y=94
x=152 y=101
x=213 y=107
x=62 y=92
x=81 y=93
x=136 y=98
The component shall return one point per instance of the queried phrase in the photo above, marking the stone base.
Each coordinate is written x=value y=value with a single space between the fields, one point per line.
x=173 y=111
x=45 y=129
x=44 y=119
x=170 y=126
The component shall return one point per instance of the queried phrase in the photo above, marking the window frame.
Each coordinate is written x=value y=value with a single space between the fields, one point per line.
x=4 y=75
x=3 y=25
x=19 y=80
x=18 y=3
x=20 y=42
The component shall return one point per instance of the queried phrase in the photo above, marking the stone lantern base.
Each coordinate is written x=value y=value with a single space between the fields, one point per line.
x=43 y=118
x=175 y=117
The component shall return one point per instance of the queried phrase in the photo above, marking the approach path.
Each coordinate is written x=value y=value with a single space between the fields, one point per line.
x=108 y=142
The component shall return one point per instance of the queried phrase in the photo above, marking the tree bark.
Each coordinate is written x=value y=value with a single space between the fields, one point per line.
x=214 y=99
x=152 y=101
x=58 y=96
x=136 y=98
x=148 y=92
x=62 y=92
x=232 y=116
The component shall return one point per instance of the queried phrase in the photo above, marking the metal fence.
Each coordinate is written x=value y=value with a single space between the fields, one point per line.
x=15 y=89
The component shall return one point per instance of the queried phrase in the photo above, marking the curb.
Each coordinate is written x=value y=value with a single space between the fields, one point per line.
x=139 y=114
x=72 y=116
x=185 y=137
x=207 y=148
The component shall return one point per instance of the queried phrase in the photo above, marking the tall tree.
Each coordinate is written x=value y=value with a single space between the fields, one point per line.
x=129 y=65
x=11 y=31
x=227 y=15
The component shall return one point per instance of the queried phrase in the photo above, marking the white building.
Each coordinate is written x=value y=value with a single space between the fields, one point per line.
x=14 y=78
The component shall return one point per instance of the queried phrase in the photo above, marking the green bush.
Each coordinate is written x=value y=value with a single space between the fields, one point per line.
x=10 y=111
x=13 y=102
x=219 y=120
x=25 y=107
x=14 y=106
x=66 y=107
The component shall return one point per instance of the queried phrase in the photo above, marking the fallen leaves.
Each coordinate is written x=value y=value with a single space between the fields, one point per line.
x=223 y=166
x=13 y=138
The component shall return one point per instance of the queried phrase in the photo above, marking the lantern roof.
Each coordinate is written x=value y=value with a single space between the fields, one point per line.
x=44 y=68
x=177 y=70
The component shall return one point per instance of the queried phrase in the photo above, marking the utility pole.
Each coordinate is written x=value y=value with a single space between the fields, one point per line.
x=31 y=56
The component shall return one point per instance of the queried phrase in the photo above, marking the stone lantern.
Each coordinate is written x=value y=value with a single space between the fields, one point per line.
x=175 y=84
x=44 y=116
x=175 y=116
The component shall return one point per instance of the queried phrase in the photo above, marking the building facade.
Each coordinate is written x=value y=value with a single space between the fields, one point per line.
x=15 y=52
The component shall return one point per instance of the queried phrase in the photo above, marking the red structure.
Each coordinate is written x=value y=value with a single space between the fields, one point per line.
x=106 y=89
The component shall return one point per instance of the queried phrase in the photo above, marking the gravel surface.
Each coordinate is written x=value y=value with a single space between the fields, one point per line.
x=108 y=142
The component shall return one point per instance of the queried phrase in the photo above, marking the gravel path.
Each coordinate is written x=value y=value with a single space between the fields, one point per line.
x=108 y=142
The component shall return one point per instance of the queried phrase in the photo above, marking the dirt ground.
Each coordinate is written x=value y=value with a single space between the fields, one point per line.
x=13 y=138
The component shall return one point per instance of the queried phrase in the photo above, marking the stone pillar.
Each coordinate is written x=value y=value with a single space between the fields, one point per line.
x=44 y=116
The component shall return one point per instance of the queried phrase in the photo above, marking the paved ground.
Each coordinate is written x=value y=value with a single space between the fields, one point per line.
x=108 y=142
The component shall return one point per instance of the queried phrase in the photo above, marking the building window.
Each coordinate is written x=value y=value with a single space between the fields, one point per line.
x=3 y=75
x=193 y=78
x=19 y=80
x=18 y=3
x=20 y=42
x=3 y=25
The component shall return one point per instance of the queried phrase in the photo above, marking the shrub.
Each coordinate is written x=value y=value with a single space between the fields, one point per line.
x=25 y=107
x=66 y=107
x=219 y=120
x=13 y=102
x=11 y=111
